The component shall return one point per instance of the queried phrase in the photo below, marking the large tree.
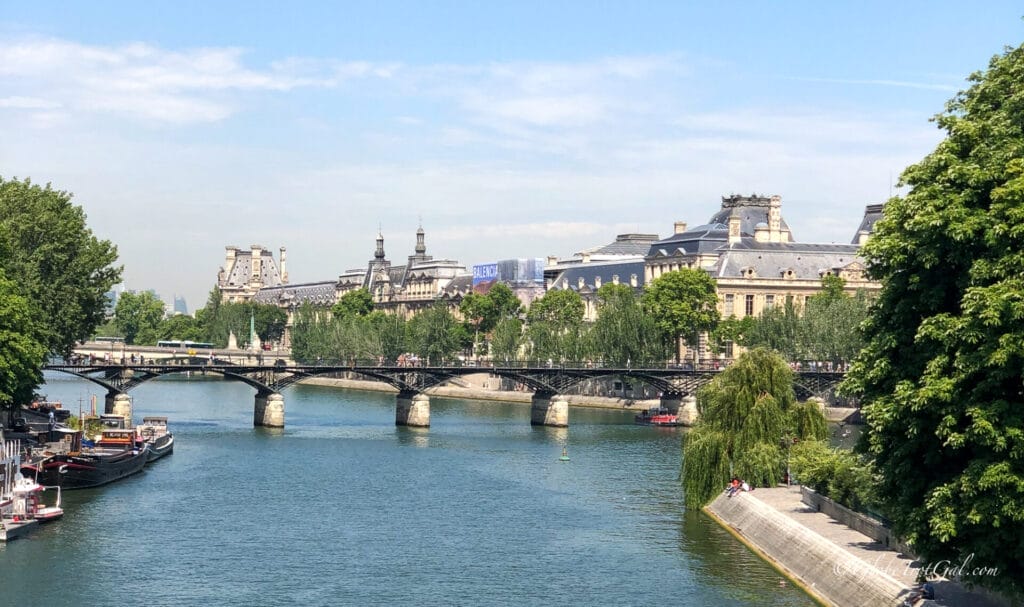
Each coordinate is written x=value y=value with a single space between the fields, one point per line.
x=555 y=328
x=354 y=303
x=622 y=332
x=64 y=271
x=684 y=305
x=942 y=371
x=138 y=315
x=21 y=349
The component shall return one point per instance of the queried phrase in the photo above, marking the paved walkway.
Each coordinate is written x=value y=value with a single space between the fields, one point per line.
x=867 y=552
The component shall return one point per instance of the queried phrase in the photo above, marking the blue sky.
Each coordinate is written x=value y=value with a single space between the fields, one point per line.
x=514 y=129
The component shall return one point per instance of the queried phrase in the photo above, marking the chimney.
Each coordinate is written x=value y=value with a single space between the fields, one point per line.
x=284 y=268
x=229 y=256
x=680 y=227
x=734 y=228
x=862 y=237
x=257 y=260
x=586 y=257
x=552 y=260
x=775 y=219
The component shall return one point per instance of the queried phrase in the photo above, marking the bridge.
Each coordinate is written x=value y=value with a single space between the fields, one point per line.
x=549 y=407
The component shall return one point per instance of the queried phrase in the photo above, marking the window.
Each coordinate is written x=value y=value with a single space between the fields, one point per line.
x=769 y=302
x=749 y=309
x=729 y=301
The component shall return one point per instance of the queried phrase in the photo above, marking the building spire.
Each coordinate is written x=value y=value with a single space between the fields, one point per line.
x=421 y=247
x=379 y=253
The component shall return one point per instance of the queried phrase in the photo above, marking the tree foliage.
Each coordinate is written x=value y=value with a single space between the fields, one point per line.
x=54 y=260
x=22 y=351
x=941 y=374
x=555 y=326
x=683 y=304
x=826 y=329
x=623 y=333
x=747 y=414
x=137 y=316
x=354 y=303
x=436 y=335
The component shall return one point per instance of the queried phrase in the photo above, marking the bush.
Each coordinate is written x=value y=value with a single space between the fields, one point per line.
x=841 y=475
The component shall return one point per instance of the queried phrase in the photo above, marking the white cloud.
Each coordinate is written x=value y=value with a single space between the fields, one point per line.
x=148 y=82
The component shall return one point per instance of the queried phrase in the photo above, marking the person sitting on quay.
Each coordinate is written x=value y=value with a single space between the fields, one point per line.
x=734 y=487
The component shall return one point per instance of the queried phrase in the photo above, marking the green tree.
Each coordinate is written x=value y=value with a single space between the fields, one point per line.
x=747 y=414
x=270 y=321
x=941 y=375
x=507 y=339
x=780 y=329
x=506 y=304
x=831 y=323
x=436 y=335
x=684 y=305
x=731 y=330
x=389 y=335
x=354 y=303
x=138 y=315
x=180 y=327
x=480 y=314
x=22 y=352
x=57 y=264
x=622 y=332
x=555 y=326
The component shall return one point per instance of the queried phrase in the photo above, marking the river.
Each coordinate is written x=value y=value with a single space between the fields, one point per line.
x=343 y=508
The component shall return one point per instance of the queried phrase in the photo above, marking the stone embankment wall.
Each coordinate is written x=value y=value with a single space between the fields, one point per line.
x=854 y=520
x=820 y=566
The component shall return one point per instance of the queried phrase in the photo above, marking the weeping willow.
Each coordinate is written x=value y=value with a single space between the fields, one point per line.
x=747 y=415
x=702 y=482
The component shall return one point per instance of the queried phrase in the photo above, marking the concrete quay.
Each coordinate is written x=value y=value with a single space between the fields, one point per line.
x=832 y=562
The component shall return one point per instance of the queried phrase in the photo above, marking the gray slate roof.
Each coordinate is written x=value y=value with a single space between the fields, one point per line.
x=774 y=259
x=624 y=244
x=872 y=213
x=570 y=277
x=315 y=293
x=240 y=272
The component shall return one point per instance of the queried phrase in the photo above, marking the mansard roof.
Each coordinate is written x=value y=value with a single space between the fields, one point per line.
x=699 y=239
x=806 y=261
x=751 y=210
x=240 y=272
x=624 y=245
x=569 y=278
x=872 y=213
x=315 y=293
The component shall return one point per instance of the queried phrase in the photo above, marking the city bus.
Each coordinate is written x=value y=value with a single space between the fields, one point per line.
x=186 y=344
x=103 y=339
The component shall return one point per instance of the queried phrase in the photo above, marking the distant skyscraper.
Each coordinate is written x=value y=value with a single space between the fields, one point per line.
x=180 y=307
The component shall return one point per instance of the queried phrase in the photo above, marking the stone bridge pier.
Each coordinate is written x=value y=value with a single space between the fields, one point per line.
x=549 y=410
x=684 y=406
x=269 y=410
x=412 y=409
x=118 y=403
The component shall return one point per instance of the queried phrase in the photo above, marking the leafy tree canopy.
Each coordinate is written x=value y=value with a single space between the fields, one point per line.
x=941 y=374
x=354 y=303
x=57 y=264
x=22 y=352
x=137 y=315
x=683 y=304
x=622 y=332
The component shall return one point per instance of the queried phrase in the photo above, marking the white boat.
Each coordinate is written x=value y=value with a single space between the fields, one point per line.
x=12 y=523
x=153 y=431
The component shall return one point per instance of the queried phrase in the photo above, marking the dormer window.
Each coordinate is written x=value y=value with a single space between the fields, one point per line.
x=748 y=272
x=787 y=273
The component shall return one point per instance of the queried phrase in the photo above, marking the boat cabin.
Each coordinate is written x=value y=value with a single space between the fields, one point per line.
x=117 y=438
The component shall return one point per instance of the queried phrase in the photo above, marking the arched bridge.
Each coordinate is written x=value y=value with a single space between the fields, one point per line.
x=678 y=385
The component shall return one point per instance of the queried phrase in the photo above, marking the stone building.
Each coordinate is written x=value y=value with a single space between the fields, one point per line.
x=244 y=273
x=618 y=262
x=756 y=263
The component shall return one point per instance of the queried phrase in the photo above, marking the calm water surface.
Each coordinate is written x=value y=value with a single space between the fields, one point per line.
x=343 y=508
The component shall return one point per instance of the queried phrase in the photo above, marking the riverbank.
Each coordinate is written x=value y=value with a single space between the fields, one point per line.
x=477 y=388
x=832 y=562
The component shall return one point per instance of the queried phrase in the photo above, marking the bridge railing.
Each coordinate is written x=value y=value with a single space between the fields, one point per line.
x=704 y=365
